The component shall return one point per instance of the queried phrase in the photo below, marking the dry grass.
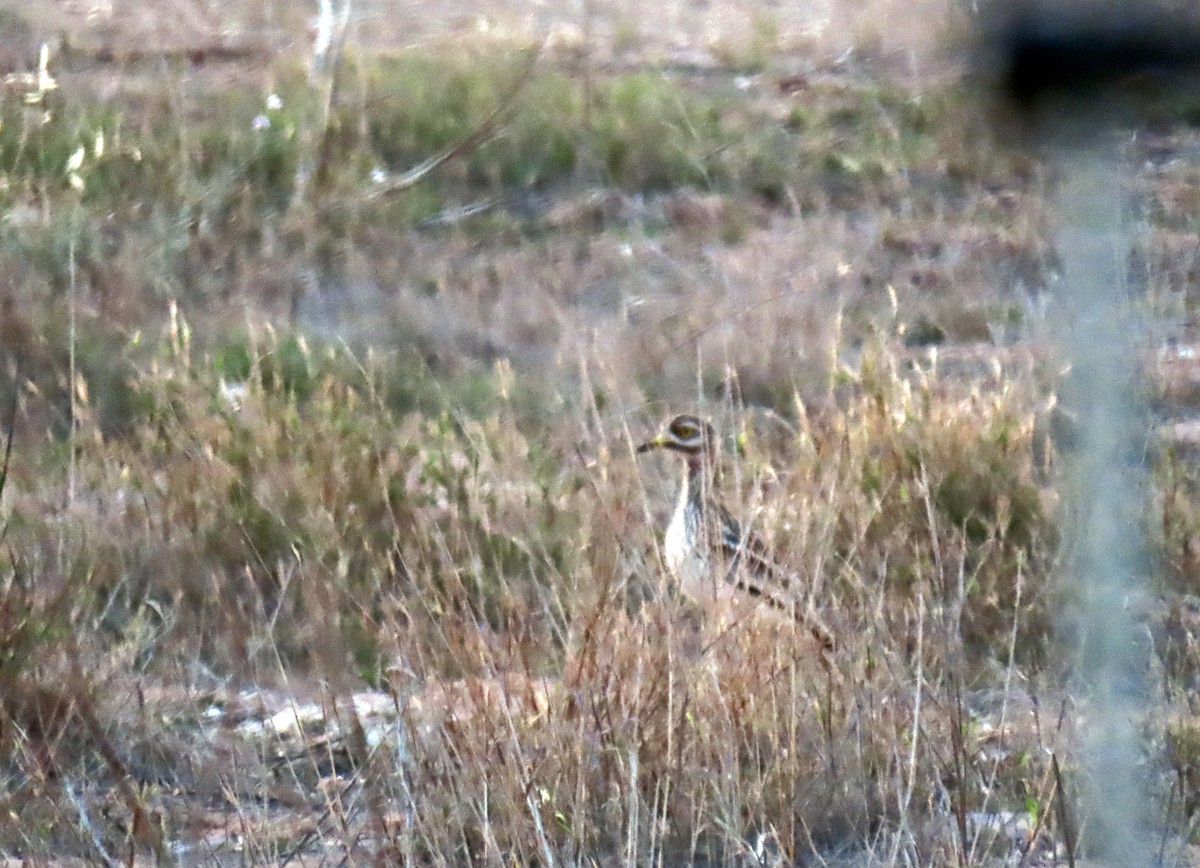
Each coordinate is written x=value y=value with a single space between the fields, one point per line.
x=323 y=536
x=313 y=528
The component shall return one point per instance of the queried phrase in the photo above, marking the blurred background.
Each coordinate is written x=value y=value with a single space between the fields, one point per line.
x=327 y=329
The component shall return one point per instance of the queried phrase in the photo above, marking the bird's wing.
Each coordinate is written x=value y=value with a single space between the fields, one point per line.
x=742 y=548
x=750 y=569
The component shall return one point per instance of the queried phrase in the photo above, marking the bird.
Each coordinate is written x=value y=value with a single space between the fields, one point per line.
x=714 y=559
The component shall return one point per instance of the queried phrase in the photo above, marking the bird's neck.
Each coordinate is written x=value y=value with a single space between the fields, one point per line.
x=700 y=478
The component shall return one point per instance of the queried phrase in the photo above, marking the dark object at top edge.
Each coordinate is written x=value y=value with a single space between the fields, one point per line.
x=1078 y=52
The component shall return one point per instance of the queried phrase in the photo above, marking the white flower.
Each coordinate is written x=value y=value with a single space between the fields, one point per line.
x=76 y=160
x=234 y=394
x=274 y=103
x=45 y=81
x=378 y=175
x=260 y=122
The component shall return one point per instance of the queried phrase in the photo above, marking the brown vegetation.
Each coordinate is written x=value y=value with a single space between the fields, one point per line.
x=323 y=538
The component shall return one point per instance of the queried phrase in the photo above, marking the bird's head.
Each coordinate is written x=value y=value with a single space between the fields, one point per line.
x=688 y=435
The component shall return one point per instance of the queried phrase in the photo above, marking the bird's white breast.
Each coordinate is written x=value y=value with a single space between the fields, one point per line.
x=686 y=556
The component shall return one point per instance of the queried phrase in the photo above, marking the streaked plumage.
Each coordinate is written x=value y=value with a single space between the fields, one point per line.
x=713 y=558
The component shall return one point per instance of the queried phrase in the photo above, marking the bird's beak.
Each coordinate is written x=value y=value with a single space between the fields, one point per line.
x=657 y=443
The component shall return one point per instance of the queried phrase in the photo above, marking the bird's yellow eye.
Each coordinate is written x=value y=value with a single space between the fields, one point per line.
x=684 y=430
